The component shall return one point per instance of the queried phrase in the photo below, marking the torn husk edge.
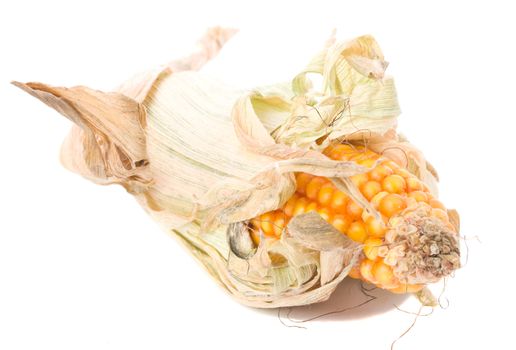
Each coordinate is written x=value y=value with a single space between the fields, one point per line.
x=203 y=158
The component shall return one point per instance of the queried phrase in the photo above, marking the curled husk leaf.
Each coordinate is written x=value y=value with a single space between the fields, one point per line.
x=203 y=158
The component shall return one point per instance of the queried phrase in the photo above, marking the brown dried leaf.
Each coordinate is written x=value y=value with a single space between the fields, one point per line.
x=337 y=251
x=114 y=141
x=332 y=262
x=312 y=231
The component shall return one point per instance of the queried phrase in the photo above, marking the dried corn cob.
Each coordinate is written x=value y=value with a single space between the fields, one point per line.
x=403 y=201
x=203 y=158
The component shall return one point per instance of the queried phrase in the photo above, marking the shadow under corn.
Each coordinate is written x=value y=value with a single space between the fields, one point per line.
x=350 y=301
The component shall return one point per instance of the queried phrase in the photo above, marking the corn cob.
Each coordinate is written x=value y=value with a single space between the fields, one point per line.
x=403 y=202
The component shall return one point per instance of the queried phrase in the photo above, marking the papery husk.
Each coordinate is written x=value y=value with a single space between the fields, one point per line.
x=202 y=158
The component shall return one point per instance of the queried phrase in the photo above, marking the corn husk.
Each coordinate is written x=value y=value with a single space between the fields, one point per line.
x=202 y=158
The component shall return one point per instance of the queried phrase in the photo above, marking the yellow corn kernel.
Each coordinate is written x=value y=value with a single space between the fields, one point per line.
x=402 y=172
x=279 y=223
x=314 y=186
x=371 y=247
x=339 y=202
x=419 y=196
x=357 y=231
x=370 y=189
x=366 y=270
x=413 y=184
x=328 y=150
x=392 y=204
x=266 y=225
x=255 y=236
x=256 y=222
x=325 y=193
x=359 y=179
x=375 y=228
x=291 y=203
x=312 y=206
x=325 y=213
x=380 y=172
x=394 y=184
x=354 y=210
x=375 y=201
x=358 y=156
x=383 y=275
x=355 y=272
x=301 y=205
x=368 y=161
x=341 y=222
x=302 y=180
x=341 y=152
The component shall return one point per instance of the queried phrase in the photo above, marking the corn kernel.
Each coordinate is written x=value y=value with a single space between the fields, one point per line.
x=392 y=204
x=279 y=223
x=367 y=162
x=380 y=172
x=255 y=236
x=359 y=179
x=312 y=206
x=366 y=270
x=291 y=203
x=342 y=152
x=394 y=184
x=339 y=201
x=402 y=172
x=341 y=222
x=371 y=247
x=325 y=213
x=419 y=196
x=413 y=184
x=383 y=275
x=325 y=194
x=300 y=207
x=375 y=228
x=357 y=231
x=355 y=272
x=370 y=189
x=375 y=201
x=314 y=186
x=266 y=221
x=354 y=210
x=302 y=180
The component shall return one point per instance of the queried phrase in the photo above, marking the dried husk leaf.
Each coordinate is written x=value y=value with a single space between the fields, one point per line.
x=202 y=158
x=355 y=96
x=313 y=232
x=114 y=149
x=454 y=219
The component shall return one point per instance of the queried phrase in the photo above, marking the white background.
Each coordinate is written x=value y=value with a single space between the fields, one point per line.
x=83 y=267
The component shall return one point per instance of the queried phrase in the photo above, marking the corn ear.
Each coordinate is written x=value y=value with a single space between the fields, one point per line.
x=203 y=159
